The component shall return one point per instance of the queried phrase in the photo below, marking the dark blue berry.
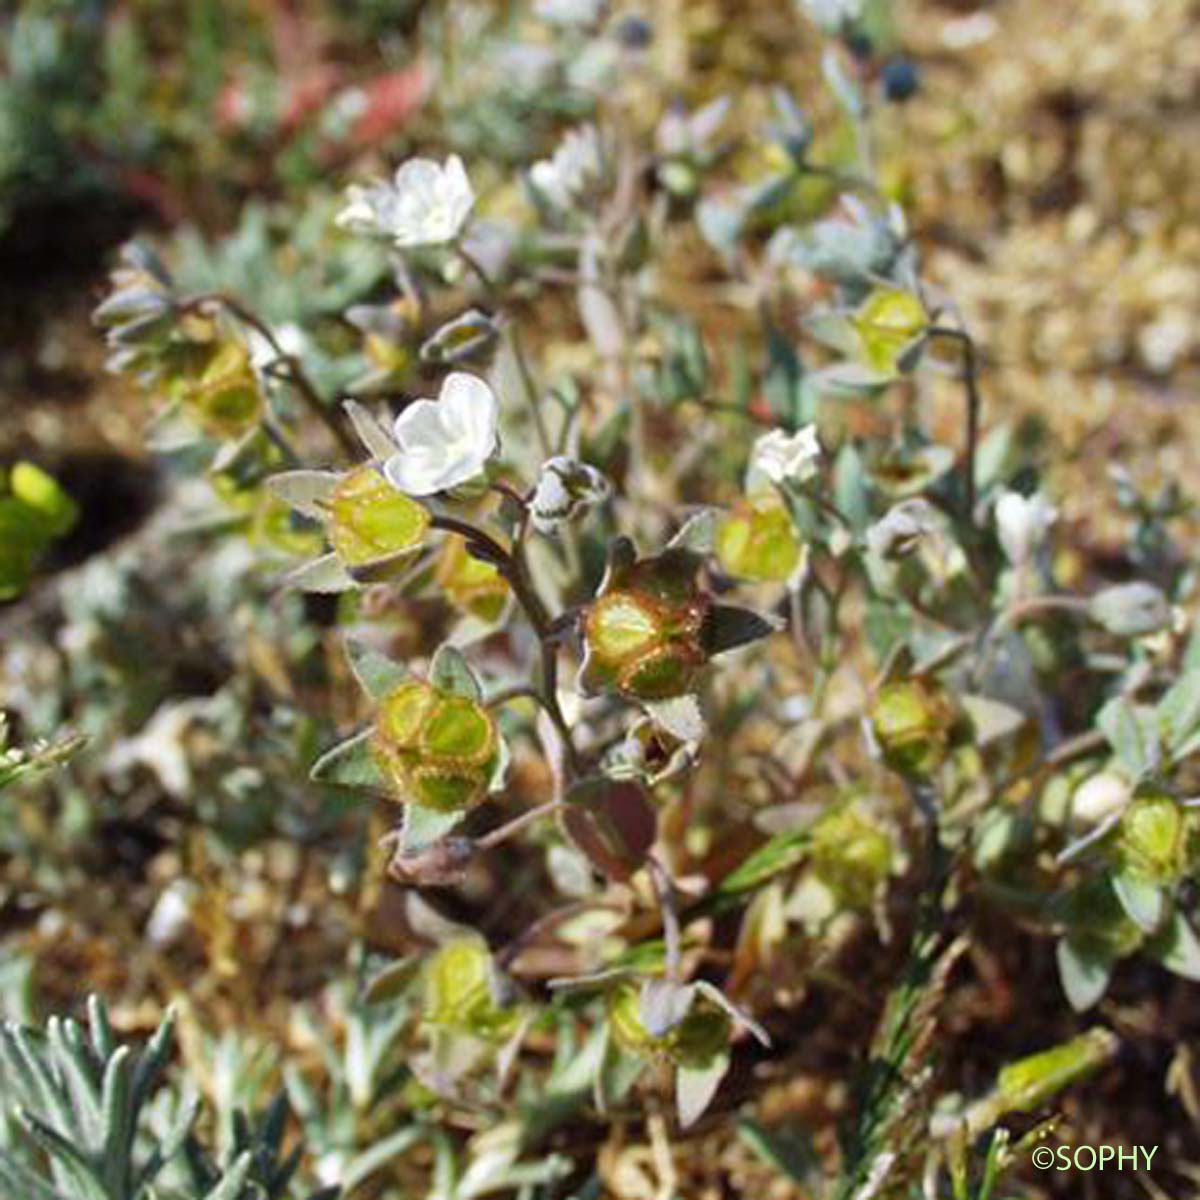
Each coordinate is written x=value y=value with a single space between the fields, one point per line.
x=635 y=33
x=901 y=79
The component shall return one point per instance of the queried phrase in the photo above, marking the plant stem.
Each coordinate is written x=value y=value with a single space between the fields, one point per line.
x=664 y=890
x=532 y=815
x=512 y=566
x=529 y=386
x=974 y=405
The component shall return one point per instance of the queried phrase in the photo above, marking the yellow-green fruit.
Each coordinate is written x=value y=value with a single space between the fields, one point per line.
x=474 y=586
x=695 y=1041
x=889 y=321
x=227 y=399
x=759 y=541
x=644 y=635
x=912 y=724
x=369 y=520
x=460 y=992
x=851 y=856
x=439 y=750
x=1157 y=839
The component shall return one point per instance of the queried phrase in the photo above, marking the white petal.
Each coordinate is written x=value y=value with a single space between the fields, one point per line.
x=420 y=424
x=418 y=177
x=416 y=473
x=470 y=411
x=461 y=468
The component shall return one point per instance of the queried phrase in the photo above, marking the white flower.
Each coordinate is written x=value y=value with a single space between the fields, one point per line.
x=832 y=15
x=780 y=458
x=447 y=441
x=566 y=487
x=574 y=171
x=426 y=205
x=570 y=12
x=1022 y=523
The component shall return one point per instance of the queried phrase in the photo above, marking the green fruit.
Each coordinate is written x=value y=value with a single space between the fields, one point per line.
x=369 y=520
x=439 y=750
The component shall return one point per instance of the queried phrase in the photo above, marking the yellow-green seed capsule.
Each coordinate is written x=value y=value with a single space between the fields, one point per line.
x=851 y=856
x=695 y=1041
x=888 y=322
x=461 y=992
x=912 y=724
x=227 y=399
x=758 y=541
x=370 y=521
x=475 y=587
x=1157 y=839
x=439 y=750
x=643 y=635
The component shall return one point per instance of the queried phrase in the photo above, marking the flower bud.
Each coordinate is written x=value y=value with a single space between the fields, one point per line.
x=912 y=724
x=566 y=488
x=643 y=634
x=370 y=521
x=439 y=750
x=1099 y=797
x=758 y=541
x=1022 y=523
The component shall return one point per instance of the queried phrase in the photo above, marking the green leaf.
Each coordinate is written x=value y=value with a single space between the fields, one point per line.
x=1133 y=735
x=371 y=431
x=680 y=716
x=1130 y=609
x=1144 y=902
x=790 y=1151
x=350 y=764
x=1179 y=715
x=393 y=980
x=727 y=627
x=1085 y=970
x=423 y=826
x=324 y=575
x=781 y=853
x=377 y=674
x=698 y=533
x=231 y=1184
x=308 y=492
x=1178 y=948
x=695 y=1086
x=450 y=672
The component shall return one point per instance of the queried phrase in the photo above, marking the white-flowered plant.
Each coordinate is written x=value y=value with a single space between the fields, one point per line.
x=724 y=686
x=782 y=458
x=446 y=442
x=426 y=204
